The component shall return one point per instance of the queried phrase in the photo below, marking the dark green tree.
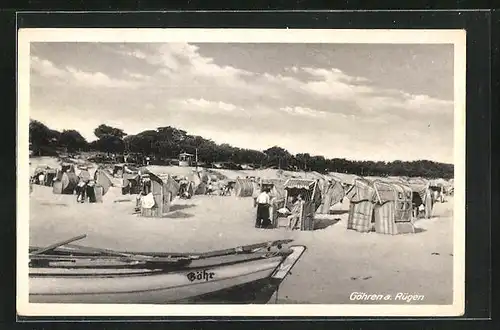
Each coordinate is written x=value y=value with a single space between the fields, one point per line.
x=42 y=138
x=72 y=140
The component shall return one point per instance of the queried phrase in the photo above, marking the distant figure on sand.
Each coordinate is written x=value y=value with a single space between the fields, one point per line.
x=41 y=179
x=81 y=191
x=429 y=201
x=184 y=188
x=90 y=192
x=210 y=188
x=420 y=211
x=294 y=217
x=263 y=203
x=145 y=190
x=436 y=195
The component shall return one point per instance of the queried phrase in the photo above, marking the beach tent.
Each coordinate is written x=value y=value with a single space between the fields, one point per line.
x=451 y=187
x=67 y=168
x=40 y=169
x=438 y=189
x=244 y=187
x=229 y=184
x=311 y=195
x=199 y=182
x=65 y=183
x=313 y=175
x=332 y=192
x=361 y=197
x=347 y=180
x=400 y=179
x=375 y=177
x=163 y=190
x=97 y=193
x=122 y=169
x=276 y=186
x=130 y=183
x=186 y=185
x=393 y=208
x=118 y=170
x=215 y=175
x=421 y=195
x=49 y=175
x=104 y=179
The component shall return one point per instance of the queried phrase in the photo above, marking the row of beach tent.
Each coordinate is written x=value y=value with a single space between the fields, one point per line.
x=386 y=204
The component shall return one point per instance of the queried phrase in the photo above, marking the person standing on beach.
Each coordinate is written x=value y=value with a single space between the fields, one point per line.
x=429 y=201
x=263 y=203
x=41 y=179
x=296 y=213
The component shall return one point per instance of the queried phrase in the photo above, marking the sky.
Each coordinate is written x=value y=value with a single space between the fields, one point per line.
x=379 y=102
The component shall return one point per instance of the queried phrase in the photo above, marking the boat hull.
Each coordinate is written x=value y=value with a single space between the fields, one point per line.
x=252 y=281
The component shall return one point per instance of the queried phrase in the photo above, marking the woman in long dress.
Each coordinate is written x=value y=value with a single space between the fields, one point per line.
x=428 y=204
x=295 y=216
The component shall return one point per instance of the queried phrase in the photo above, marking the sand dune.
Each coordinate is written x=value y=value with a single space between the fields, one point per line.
x=338 y=261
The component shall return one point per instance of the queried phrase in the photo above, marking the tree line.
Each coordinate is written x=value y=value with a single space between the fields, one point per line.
x=166 y=143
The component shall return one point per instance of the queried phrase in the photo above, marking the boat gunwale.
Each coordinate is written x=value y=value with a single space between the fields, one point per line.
x=153 y=271
x=68 y=249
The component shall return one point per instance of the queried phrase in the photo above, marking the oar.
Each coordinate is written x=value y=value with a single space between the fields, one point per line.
x=99 y=250
x=128 y=255
x=210 y=254
x=56 y=245
x=239 y=249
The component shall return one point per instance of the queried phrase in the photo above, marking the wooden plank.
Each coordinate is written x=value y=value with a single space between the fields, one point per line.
x=58 y=244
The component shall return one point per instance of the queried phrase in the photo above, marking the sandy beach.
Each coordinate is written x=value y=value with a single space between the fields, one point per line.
x=337 y=264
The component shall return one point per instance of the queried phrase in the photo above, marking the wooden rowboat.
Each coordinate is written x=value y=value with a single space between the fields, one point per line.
x=67 y=273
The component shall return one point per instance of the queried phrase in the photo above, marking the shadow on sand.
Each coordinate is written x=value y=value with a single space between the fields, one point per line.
x=54 y=204
x=338 y=212
x=324 y=223
x=122 y=200
x=179 y=215
x=178 y=207
x=419 y=230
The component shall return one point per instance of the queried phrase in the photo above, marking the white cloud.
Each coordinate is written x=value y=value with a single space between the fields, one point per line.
x=302 y=111
x=136 y=75
x=333 y=74
x=207 y=106
x=70 y=75
x=205 y=66
x=45 y=67
x=334 y=85
x=424 y=103
x=184 y=58
x=98 y=79
x=183 y=64
x=136 y=53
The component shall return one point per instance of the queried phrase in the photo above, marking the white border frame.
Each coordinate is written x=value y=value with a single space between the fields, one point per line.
x=26 y=36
